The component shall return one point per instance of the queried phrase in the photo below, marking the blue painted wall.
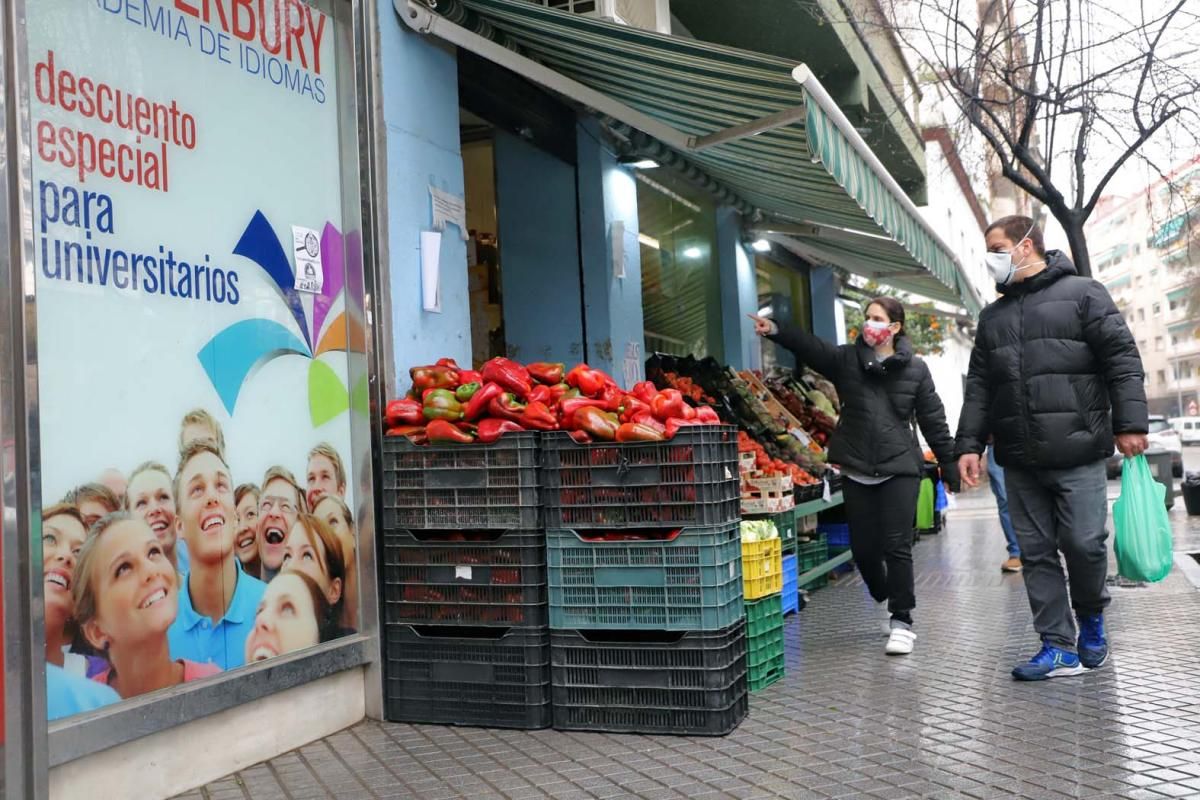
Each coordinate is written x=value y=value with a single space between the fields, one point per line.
x=824 y=300
x=539 y=253
x=612 y=305
x=420 y=109
x=739 y=292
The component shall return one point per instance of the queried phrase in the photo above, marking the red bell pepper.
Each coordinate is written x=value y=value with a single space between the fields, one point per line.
x=707 y=415
x=581 y=437
x=611 y=396
x=403 y=412
x=597 y=423
x=668 y=403
x=509 y=374
x=405 y=430
x=633 y=405
x=590 y=382
x=466 y=391
x=689 y=413
x=637 y=432
x=442 y=404
x=546 y=373
x=440 y=430
x=506 y=406
x=478 y=404
x=447 y=362
x=541 y=394
x=569 y=406
x=433 y=377
x=557 y=393
x=644 y=391
x=650 y=422
x=674 y=424
x=539 y=417
x=492 y=429
x=469 y=376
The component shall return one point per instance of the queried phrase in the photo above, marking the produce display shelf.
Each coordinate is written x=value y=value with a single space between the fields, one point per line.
x=817 y=506
x=824 y=569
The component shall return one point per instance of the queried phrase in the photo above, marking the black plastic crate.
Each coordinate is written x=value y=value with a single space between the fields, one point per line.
x=689 y=480
x=487 y=677
x=462 y=486
x=682 y=722
x=474 y=578
x=648 y=669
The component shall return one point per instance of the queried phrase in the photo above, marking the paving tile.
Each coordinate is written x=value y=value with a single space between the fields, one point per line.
x=846 y=722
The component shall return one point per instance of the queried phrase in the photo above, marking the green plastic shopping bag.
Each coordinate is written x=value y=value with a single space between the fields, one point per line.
x=925 y=503
x=1143 y=543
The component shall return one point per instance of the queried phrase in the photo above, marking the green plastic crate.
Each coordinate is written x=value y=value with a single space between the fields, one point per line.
x=764 y=616
x=811 y=553
x=785 y=523
x=763 y=648
x=692 y=582
x=819 y=582
x=759 y=678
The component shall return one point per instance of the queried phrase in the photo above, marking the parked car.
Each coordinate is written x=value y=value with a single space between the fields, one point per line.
x=1188 y=427
x=1162 y=437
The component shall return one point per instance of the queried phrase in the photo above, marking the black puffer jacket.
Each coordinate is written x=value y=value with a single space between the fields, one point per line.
x=1050 y=357
x=874 y=434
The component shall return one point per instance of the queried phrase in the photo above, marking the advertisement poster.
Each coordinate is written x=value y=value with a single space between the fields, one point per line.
x=193 y=321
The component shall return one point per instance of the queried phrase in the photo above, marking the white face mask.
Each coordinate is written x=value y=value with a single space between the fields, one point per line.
x=1000 y=264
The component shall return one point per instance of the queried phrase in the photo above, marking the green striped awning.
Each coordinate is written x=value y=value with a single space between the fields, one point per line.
x=804 y=173
x=1124 y=280
x=1181 y=293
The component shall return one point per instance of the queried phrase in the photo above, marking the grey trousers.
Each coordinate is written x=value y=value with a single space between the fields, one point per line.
x=1063 y=510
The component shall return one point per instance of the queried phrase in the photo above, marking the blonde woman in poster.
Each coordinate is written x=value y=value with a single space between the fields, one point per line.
x=313 y=549
x=150 y=495
x=336 y=514
x=125 y=601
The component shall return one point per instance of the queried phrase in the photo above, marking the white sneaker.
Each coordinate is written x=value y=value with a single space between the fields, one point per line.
x=900 y=643
x=885 y=618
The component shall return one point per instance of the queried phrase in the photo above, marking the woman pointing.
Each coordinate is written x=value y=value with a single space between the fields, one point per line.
x=882 y=387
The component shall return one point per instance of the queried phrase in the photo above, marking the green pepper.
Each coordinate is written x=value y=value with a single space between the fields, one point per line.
x=466 y=391
x=442 y=404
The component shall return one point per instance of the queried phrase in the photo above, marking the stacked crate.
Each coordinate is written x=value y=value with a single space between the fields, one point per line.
x=645 y=584
x=464 y=584
x=762 y=570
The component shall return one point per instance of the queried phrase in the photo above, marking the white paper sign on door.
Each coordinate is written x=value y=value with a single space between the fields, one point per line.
x=306 y=247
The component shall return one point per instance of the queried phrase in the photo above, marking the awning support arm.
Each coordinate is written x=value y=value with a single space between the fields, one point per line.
x=423 y=20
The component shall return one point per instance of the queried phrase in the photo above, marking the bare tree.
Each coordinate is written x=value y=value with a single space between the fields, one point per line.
x=1064 y=92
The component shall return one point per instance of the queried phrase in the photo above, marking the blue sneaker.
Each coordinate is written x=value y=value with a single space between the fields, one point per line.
x=1050 y=662
x=1093 y=647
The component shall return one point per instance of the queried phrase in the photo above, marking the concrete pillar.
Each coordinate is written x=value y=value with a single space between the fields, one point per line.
x=539 y=253
x=420 y=109
x=739 y=293
x=612 y=303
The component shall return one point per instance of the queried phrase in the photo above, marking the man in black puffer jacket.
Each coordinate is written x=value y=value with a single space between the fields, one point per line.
x=1055 y=377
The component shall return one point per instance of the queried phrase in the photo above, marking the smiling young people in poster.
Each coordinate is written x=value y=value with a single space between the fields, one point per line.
x=167 y=177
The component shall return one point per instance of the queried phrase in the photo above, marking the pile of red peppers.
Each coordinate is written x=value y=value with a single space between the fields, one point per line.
x=450 y=404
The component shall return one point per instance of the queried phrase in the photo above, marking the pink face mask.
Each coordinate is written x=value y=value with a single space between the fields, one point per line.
x=876 y=333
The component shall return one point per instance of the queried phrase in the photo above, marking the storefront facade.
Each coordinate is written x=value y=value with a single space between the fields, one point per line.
x=187 y=350
x=268 y=212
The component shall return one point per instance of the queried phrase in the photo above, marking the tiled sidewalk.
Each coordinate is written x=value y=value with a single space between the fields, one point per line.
x=945 y=722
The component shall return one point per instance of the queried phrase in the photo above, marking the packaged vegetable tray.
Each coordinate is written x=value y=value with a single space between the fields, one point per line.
x=462 y=486
x=689 y=480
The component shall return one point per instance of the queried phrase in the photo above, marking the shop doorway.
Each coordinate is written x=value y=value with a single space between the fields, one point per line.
x=522 y=198
x=785 y=295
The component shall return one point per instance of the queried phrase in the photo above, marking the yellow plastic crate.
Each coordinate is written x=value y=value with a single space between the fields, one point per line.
x=762 y=568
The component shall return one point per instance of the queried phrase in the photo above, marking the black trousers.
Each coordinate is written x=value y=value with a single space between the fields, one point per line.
x=881 y=538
